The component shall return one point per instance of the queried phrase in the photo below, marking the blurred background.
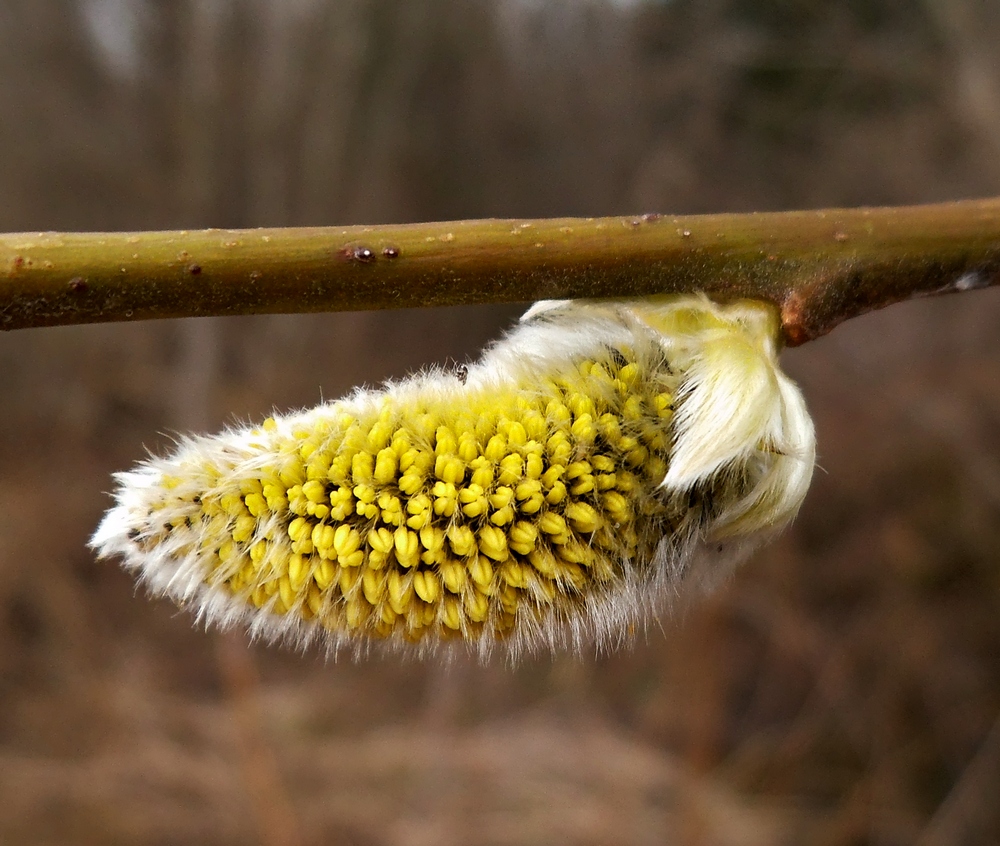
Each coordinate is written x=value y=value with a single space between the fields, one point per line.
x=843 y=688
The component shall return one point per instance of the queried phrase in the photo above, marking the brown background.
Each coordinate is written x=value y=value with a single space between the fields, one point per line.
x=844 y=688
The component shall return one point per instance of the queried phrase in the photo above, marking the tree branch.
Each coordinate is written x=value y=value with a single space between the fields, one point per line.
x=819 y=267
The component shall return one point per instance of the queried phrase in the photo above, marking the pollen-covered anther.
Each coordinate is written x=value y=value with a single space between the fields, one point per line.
x=559 y=492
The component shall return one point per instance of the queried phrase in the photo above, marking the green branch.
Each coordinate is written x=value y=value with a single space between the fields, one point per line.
x=819 y=267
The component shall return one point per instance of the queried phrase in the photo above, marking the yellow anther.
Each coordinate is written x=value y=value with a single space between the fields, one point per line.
x=552 y=475
x=347 y=578
x=527 y=489
x=551 y=523
x=477 y=606
x=392 y=509
x=655 y=468
x=269 y=425
x=481 y=572
x=292 y=472
x=605 y=481
x=432 y=538
x=511 y=469
x=534 y=466
x=533 y=504
x=496 y=449
x=603 y=463
x=299 y=528
x=473 y=501
x=558 y=413
x=407 y=546
x=421 y=510
x=386 y=464
x=320 y=512
x=468 y=447
x=576 y=553
x=451 y=613
x=244 y=528
x=583 y=428
x=514 y=574
x=542 y=559
x=445 y=498
x=461 y=539
x=298 y=571
x=445 y=442
x=534 y=425
x=628 y=484
x=411 y=481
x=493 y=543
x=583 y=485
x=248 y=486
x=380 y=539
x=362 y=468
x=502 y=516
x=582 y=517
x=522 y=537
x=326 y=574
x=509 y=597
x=379 y=435
x=629 y=374
x=286 y=592
x=516 y=434
x=373 y=585
x=303 y=547
x=314 y=491
x=454 y=576
x=557 y=495
x=616 y=506
x=256 y=504
x=364 y=493
x=663 y=405
x=633 y=408
x=356 y=612
x=345 y=540
x=427 y=585
x=482 y=472
x=610 y=428
x=501 y=497
x=449 y=468
x=408 y=457
x=314 y=600
x=274 y=495
x=342 y=503
x=318 y=465
x=323 y=539
x=581 y=405
x=559 y=449
x=637 y=456
x=340 y=470
x=297 y=502
x=656 y=440
x=400 y=590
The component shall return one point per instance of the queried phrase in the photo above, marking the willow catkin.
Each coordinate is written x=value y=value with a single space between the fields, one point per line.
x=561 y=490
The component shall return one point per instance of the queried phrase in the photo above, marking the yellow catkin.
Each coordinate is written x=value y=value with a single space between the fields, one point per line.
x=490 y=513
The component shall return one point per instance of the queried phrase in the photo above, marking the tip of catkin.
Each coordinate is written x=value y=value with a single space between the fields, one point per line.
x=571 y=484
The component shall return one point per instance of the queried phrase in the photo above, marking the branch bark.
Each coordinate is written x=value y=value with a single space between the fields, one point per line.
x=819 y=267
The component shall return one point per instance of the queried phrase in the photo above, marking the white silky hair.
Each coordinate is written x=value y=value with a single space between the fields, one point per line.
x=741 y=427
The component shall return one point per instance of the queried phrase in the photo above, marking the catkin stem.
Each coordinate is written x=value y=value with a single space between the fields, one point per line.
x=819 y=267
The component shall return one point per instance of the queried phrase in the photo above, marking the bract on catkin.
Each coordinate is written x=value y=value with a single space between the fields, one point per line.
x=560 y=491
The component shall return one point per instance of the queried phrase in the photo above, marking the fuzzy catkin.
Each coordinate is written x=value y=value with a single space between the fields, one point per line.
x=556 y=493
